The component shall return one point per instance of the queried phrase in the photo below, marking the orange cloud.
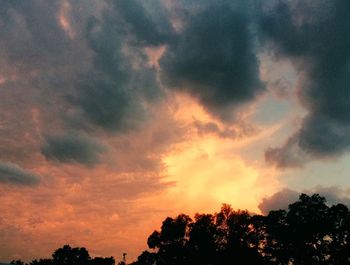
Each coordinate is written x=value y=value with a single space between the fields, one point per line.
x=161 y=170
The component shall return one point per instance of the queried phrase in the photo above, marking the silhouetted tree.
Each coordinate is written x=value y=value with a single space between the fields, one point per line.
x=102 y=261
x=41 y=262
x=308 y=233
x=209 y=239
x=17 y=262
x=67 y=255
x=170 y=242
x=70 y=256
x=146 y=258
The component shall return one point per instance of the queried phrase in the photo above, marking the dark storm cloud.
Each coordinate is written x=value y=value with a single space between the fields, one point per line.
x=316 y=36
x=11 y=173
x=103 y=69
x=73 y=147
x=281 y=199
x=104 y=103
x=101 y=73
x=213 y=56
x=94 y=80
x=99 y=68
x=113 y=95
x=147 y=20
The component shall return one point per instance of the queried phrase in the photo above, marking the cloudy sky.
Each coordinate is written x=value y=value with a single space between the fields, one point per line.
x=116 y=114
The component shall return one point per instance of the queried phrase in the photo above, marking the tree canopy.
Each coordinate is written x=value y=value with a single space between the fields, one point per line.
x=310 y=232
x=67 y=255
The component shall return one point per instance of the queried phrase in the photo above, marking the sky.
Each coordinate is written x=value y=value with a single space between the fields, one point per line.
x=116 y=114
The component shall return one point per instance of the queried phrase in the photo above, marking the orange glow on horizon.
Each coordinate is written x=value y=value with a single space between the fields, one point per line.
x=110 y=209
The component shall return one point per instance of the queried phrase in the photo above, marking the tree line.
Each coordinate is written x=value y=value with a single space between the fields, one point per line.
x=67 y=255
x=309 y=232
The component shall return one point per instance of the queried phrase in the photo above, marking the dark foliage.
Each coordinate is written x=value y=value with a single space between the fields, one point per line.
x=310 y=232
x=67 y=255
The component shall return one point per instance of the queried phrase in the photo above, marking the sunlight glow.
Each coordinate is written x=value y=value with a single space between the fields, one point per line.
x=209 y=171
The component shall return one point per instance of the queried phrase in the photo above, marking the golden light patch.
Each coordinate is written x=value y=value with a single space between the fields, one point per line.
x=187 y=109
x=63 y=18
x=205 y=177
x=209 y=170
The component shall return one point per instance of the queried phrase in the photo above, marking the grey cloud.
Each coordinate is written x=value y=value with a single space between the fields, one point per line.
x=147 y=20
x=281 y=199
x=103 y=72
x=280 y=87
x=213 y=56
x=114 y=93
x=315 y=35
x=95 y=83
x=30 y=33
x=334 y=195
x=32 y=36
x=11 y=173
x=324 y=136
x=104 y=103
x=288 y=155
x=103 y=77
x=233 y=132
x=73 y=147
x=99 y=72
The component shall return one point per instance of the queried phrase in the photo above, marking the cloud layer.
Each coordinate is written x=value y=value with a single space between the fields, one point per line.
x=315 y=36
x=282 y=199
x=73 y=148
x=113 y=110
x=13 y=174
x=210 y=51
x=212 y=56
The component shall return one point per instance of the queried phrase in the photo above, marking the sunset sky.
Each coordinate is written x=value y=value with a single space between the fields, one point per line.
x=117 y=114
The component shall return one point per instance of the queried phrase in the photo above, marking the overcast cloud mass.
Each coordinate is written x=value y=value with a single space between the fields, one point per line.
x=110 y=111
